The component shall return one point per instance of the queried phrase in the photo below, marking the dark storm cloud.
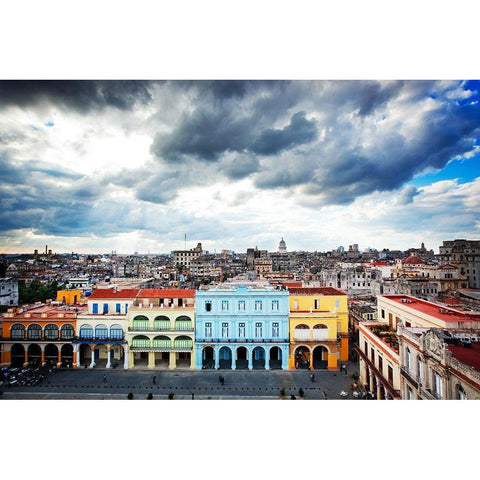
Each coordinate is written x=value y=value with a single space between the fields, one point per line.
x=298 y=132
x=80 y=95
x=240 y=167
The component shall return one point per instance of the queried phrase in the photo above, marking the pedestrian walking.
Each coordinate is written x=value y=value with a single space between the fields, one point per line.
x=312 y=378
x=345 y=369
x=104 y=379
x=219 y=379
x=222 y=380
x=193 y=396
x=154 y=380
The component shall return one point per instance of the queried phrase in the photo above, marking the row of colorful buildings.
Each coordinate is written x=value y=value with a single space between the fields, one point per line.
x=229 y=326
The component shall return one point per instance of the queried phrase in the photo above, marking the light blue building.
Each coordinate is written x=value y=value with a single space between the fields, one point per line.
x=242 y=327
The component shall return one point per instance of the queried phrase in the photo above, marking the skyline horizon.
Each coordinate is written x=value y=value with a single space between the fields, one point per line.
x=133 y=165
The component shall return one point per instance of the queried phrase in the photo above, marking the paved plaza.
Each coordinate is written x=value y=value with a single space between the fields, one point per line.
x=203 y=384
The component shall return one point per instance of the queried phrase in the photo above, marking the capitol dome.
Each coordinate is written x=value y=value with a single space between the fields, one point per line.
x=282 y=246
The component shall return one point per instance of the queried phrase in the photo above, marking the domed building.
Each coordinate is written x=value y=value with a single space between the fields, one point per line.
x=414 y=260
x=282 y=246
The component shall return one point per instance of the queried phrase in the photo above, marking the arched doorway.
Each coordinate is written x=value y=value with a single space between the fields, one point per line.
x=242 y=358
x=101 y=355
x=225 y=358
x=302 y=357
x=320 y=358
x=162 y=359
x=85 y=354
x=67 y=355
x=17 y=355
x=51 y=354
x=34 y=355
x=275 y=358
x=208 y=358
x=258 y=358
x=184 y=357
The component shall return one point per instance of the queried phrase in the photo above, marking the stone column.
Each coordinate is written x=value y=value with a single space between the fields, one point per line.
x=125 y=357
x=234 y=359
x=173 y=361
x=379 y=391
x=109 y=359
x=151 y=360
x=267 y=358
x=92 y=363
x=311 y=360
x=59 y=363
x=250 y=358
x=216 y=355
x=192 y=359
x=43 y=356
x=370 y=387
x=26 y=356
x=76 y=355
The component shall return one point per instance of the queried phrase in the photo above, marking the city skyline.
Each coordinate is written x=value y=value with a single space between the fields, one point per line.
x=93 y=166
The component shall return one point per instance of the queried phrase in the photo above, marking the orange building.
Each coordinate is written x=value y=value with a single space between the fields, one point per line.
x=70 y=297
x=40 y=335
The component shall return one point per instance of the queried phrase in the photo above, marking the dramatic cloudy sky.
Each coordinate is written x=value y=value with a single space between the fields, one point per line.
x=133 y=166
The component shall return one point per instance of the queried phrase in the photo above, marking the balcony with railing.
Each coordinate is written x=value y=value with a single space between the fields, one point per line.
x=178 y=344
x=404 y=372
x=312 y=335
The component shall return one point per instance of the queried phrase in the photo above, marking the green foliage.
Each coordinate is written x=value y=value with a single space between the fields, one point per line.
x=130 y=396
x=171 y=395
x=37 y=291
x=150 y=396
x=282 y=392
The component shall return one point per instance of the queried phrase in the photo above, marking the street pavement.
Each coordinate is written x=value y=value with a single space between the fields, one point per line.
x=203 y=384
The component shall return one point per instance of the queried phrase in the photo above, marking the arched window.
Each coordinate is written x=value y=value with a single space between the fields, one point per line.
x=116 y=332
x=408 y=359
x=140 y=322
x=51 y=332
x=183 y=323
x=67 y=332
x=86 y=331
x=17 y=331
x=461 y=393
x=34 y=332
x=101 y=332
x=161 y=323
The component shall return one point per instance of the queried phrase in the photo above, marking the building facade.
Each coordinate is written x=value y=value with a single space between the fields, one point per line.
x=161 y=329
x=41 y=335
x=242 y=327
x=101 y=330
x=8 y=291
x=436 y=365
x=464 y=254
x=318 y=328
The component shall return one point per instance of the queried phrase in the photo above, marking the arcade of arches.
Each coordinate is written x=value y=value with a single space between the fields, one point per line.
x=241 y=358
x=313 y=357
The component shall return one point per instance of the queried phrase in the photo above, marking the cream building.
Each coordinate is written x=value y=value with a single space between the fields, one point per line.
x=436 y=365
x=161 y=329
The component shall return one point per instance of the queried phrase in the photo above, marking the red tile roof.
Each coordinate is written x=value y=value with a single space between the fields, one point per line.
x=106 y=293
x=433 y=309
x=292 y=284
x=316 y=291
x=469 y=356
x=166 y=293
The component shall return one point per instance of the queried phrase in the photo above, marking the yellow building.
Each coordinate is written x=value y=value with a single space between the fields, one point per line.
x=318 y=328
x=69 y=297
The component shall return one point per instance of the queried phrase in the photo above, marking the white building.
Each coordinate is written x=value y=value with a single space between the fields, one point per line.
x=8 y=291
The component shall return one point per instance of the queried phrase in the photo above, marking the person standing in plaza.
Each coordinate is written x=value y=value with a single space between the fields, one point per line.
x=104 y=378
x=154 y=380
x=312 y=378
